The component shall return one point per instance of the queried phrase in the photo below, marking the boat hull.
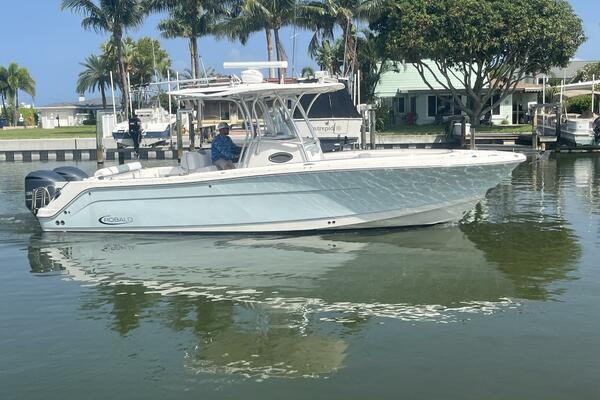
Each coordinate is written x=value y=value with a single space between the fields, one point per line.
x=301 y=201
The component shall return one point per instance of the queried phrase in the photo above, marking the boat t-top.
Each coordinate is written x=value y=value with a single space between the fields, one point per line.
x=282 y=182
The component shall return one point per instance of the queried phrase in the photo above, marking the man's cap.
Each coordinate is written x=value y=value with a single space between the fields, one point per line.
x=222 y=125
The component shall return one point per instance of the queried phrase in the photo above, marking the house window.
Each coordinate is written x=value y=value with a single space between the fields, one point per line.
x=400 y=103
x=211 y=110
x=432 y=106
x=457 y=110
x=496 y=109
x=445 y=105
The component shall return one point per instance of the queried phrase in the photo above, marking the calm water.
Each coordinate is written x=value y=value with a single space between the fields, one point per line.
x=504 y=305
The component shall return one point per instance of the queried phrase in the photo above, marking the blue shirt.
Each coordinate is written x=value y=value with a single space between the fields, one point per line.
x=223 y=147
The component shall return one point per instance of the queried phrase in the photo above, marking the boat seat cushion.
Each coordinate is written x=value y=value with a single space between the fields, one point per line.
x=194 y=160
x=117 y=169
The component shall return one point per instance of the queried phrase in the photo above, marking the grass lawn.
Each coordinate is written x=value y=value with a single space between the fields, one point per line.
x=56 y=133
x=440 y=129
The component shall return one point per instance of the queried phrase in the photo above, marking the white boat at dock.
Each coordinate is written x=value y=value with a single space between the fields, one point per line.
x=572 y=128
x=282 y=182
x=157 y=127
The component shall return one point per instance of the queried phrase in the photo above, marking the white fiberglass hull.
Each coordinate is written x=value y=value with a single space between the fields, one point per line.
x=348 y=194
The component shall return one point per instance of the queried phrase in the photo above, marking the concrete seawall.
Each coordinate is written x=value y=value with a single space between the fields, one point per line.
x=68 y=149
x=85 y=148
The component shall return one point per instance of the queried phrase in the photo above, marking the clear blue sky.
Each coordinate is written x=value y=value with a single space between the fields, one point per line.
x=51 y=43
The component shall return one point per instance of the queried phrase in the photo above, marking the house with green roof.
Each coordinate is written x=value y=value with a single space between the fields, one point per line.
x=412 y=101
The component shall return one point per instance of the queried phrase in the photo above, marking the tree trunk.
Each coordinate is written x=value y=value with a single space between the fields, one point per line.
x=270 y=51
x=195 y=75
x=349 y=44
x=4 y=110
x=280 y=54
x=475 y=116
x=192 y=65
x=16 y=107
x=195 y=60
x=118 y=38
x=103 y=96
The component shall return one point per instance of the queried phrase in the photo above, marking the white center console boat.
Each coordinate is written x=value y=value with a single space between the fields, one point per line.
x=282 y=181
x=157 y=125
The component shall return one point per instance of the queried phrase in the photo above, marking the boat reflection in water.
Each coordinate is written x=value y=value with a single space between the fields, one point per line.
x=264 y=306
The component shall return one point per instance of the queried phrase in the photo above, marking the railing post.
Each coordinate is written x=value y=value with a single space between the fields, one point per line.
x=534 y=135
x=99 y=141
x=373 y=122
x=179 y=138
x=463 y=132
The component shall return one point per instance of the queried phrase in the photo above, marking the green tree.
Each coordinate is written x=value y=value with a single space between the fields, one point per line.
x=209 y=72
x=579 y=104
x=307 y=72
x=148 y=61
x=330 y=57
x=114 y=16
x=95 y=76
x=587 y=73
x=190 y=19
x=479 y=48
x=326 y=15
x=4 y=90
x=18 y=78
x=372 y=62
x=271 y=16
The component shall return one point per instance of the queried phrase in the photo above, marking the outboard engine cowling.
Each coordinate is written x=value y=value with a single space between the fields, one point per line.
x=71 y=173
x=42 y=185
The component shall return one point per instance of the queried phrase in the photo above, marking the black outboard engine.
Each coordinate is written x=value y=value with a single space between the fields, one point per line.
x=71 y=173
x=40 y=188
x=596 y=127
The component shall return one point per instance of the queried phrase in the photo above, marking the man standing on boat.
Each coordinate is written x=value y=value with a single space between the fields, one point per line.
x=223 y=150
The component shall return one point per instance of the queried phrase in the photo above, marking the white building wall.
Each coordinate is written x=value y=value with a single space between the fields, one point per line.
x=506 y=111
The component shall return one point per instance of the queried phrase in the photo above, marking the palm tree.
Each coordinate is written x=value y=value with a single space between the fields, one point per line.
x=372 y=63
x=307 y=72
x=4 y=89
x=330 y=57
x=18 y=78
x=95 y=76
x=343 y=14
x=145 y=60
x=210 y=72
x=114 y=16
x=190 y=19
x=271 y=16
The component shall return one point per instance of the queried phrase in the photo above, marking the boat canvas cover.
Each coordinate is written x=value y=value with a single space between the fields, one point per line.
x=329 y=105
